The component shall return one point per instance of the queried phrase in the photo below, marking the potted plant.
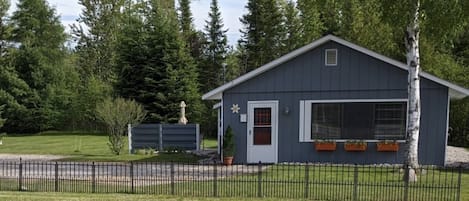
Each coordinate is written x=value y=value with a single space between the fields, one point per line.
x=387 y=145
x=325 y=145
x=228 y=146
x=355 y=145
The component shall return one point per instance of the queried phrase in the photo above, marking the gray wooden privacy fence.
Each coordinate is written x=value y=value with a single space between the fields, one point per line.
x=163 y=136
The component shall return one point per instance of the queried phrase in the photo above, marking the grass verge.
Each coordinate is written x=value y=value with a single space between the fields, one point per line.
x=27 y=196
x=80 y=147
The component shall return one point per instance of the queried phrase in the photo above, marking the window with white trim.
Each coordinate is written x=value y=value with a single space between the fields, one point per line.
x=352 y=120
x=331 y=57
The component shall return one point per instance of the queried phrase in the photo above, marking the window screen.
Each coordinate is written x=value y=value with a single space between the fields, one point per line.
x=331 y=57
x=390 y=120
x=358 y=120
x=326 y=121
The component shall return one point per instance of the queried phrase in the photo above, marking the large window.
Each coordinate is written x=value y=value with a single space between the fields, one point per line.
x=353 y=120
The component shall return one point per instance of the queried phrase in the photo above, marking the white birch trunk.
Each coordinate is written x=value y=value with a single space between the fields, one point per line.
x=413 y=113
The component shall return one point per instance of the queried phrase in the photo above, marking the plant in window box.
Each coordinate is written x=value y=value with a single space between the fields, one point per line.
x=325 y=145
x=387 y=145
x=355 y=145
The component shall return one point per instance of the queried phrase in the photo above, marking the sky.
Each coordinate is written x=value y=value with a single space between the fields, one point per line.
x=231 y=11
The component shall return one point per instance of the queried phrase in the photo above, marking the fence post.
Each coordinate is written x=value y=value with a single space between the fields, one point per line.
x=306 y=181
x=20 y=176
x=458 y=196
x=93 y=177
x=355 y=182
x=215 y=190
x=172 y=178
x=56 y=181
x=160 y=140
x=259 y=179
x=132 y=177
x=197 y=135
x=406 y=182
x=129 y=135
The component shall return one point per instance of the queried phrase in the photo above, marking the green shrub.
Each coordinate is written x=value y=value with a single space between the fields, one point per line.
x=228 y=142
x=116 y=114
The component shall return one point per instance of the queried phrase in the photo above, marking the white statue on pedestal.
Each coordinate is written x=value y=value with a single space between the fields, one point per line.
x=183 y=119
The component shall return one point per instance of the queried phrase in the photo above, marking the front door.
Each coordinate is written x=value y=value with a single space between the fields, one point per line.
x=262 y=131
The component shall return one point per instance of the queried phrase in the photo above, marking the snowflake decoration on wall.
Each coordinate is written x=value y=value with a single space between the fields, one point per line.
x=235 y=108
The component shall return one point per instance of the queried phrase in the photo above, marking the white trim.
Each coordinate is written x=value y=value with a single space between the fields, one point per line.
x=216 y=94
x=325 y=57
x=302 y=121
x=220 y=141
x=305 y=116
x=275 y=124
x=357 y=100
x=447 y=127
x=346 y=140
x=216 y=106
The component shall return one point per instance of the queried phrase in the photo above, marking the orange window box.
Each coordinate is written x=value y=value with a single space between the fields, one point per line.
x=325 y=146
x=355 y=147
x=391 y=147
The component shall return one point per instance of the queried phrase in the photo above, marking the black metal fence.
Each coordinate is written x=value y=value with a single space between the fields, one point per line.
x=308 y=181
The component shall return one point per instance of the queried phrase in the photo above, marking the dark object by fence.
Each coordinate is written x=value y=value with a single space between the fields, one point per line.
x=293 y=181
x=164 y=136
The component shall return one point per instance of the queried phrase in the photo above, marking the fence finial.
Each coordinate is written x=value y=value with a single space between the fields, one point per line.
x=183 y=119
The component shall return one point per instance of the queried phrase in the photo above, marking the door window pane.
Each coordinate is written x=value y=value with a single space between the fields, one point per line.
x=262 y=126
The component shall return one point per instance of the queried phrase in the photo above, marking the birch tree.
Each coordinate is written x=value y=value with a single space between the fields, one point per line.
x=413 y=63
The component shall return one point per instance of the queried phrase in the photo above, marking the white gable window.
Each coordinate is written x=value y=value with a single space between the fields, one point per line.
x=352 y=119
x=331 y=57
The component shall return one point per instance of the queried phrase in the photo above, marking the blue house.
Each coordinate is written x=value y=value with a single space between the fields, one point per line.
x=336 y=90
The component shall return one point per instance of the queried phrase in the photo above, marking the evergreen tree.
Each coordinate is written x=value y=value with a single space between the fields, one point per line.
x=262 y=34
x=39 y=61
x=194 y=40
x=363 y=24
x=162 y=71
x=312 y=27
x=97 y=45
x=212 y=73
x=292 y=24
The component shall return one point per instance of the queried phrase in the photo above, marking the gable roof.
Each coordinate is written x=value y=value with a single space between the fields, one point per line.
x=455 y=91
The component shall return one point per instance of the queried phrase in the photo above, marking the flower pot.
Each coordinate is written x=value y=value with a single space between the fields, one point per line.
x=228 y=160
x=391 y=147
x=354 y=147
x=325 y=146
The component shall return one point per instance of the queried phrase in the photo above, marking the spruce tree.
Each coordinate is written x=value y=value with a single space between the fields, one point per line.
x=96 y=45
x=161 y=72
x=262 y=33
x=292 y=24
x=312 y=27
x=38 y=60
x=212 y=73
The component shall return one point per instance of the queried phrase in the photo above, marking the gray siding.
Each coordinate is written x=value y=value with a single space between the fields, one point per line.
x=148 y=136
x=357 y=76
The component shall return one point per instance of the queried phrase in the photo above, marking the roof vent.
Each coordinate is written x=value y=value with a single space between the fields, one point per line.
x=331 y=57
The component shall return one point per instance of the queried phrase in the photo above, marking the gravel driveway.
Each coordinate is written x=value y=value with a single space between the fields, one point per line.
x=456 y=156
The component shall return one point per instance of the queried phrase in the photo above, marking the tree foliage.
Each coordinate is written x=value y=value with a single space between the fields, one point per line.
x=117 y=114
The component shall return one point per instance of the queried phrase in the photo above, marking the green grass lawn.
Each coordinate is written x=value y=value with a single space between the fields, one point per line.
x=26 y=196
x=79 y=147
x=209 y=143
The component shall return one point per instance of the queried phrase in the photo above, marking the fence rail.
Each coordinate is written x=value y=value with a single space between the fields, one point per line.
x=310 y=181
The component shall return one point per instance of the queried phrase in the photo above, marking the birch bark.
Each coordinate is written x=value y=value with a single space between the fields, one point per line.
x=413 y=113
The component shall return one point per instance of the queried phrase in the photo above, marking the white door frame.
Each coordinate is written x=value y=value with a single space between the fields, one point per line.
x=274 y=122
